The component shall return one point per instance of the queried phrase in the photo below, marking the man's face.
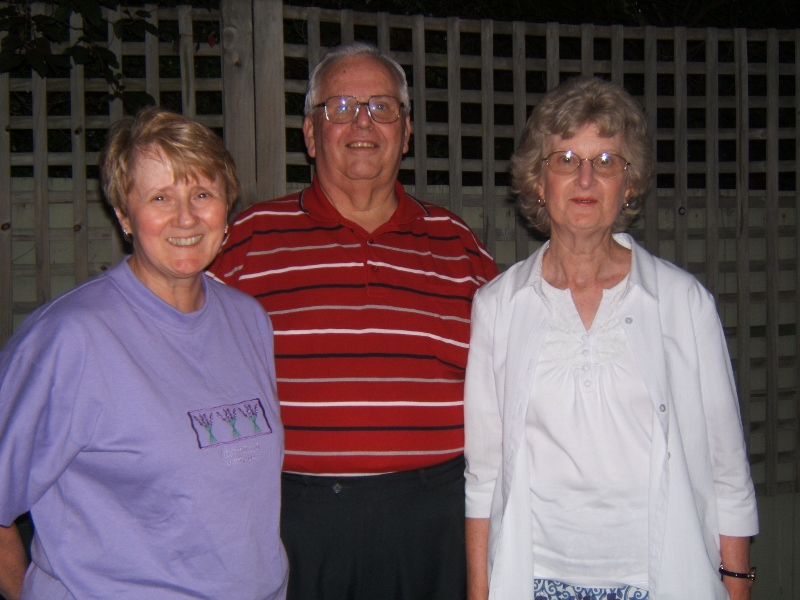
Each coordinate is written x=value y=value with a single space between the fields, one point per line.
x=363 y=151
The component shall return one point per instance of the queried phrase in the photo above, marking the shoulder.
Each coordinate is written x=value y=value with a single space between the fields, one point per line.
x=440 y=222
x=441 y=217
x=669 y=283
x=514 y=279
x=278 y=207
x=72 y=317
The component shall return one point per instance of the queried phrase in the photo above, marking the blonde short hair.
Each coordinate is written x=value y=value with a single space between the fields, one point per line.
x=564 y=111
x=188 y=147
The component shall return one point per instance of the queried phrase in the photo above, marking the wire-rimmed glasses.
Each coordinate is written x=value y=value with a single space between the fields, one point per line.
x=566 y=162
x=344 y=109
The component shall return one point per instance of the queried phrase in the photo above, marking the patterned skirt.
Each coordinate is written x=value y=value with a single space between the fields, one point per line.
x=545 y=589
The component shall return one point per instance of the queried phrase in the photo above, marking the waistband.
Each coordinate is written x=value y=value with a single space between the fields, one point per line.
x=447 y=471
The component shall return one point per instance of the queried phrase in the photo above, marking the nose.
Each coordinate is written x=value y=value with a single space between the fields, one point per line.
x=586 y=175
x=185 y=213
x=363 y=118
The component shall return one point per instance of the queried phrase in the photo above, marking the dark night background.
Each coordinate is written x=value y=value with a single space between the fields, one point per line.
x=754 y=14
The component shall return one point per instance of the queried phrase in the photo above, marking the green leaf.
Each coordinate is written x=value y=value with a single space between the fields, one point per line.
x=135 y=101
x=57 y=61
x=90 y=10
x=11 y=43
x=144 y=14
x=38 y=64
x=107 y=55
x=150 y=28
x=9 y=62
x=79 y=54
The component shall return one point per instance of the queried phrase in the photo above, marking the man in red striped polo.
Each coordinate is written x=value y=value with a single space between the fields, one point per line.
x=369 y=291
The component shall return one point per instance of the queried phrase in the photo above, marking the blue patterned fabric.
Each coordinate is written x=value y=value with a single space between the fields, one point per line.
x=545 y=589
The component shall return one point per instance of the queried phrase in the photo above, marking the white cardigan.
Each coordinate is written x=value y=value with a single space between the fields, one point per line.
x=700 y=485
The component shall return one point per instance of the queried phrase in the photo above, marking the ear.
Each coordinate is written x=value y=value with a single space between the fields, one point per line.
x=124 y=221
x=538 y=189
x=308 y=134
x=408 y=133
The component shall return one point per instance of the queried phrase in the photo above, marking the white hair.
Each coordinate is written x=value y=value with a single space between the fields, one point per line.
x=355 y=49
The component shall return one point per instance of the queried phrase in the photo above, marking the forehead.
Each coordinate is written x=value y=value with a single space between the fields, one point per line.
x=586 y=139
x=358 y=76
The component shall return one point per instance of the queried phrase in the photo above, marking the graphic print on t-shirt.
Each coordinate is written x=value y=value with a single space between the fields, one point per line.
x=229 y=423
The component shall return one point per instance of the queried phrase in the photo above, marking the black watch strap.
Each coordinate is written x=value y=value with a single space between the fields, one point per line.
x=751 y=575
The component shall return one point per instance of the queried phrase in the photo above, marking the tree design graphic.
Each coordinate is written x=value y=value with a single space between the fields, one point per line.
x=206 y=421
x=250 y=411
x=229 y=416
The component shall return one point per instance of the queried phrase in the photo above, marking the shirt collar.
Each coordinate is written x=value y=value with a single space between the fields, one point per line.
x=316 y=205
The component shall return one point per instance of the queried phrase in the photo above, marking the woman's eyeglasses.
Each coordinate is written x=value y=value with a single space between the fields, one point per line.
x=566 y=162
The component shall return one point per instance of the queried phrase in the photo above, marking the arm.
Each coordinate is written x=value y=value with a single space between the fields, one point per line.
x=13 y=562
x=482 y=449
x=477 y=531
x=735 y=552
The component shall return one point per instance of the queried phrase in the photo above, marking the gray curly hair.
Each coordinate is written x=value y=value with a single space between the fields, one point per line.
x=565 y=110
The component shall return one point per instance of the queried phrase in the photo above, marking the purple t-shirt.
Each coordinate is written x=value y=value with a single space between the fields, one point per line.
x=146 y=443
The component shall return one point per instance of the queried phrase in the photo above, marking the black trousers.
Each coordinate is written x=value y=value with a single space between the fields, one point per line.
x=396 y=536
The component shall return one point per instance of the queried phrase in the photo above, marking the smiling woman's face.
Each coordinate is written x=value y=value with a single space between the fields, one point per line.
x=177 y=226
x=583 y=202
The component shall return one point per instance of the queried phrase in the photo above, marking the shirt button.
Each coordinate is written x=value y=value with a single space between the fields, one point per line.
x=370 y=241
x=628 y=320
x=585 y=353
x=662 y=408
x=587 y=383
x=586 y=367
x=584 y=337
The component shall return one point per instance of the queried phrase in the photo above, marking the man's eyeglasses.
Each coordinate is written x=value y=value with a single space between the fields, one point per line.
x=566 y=162
x=344 y=109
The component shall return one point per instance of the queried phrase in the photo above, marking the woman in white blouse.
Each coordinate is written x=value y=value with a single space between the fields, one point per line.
x=605 y=455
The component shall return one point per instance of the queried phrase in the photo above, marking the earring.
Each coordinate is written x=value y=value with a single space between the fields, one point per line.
x=225 y=231
x=126 y=235
x=540 y=201
x=626 y=205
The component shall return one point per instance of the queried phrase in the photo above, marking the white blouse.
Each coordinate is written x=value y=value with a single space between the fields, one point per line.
x=588 y=429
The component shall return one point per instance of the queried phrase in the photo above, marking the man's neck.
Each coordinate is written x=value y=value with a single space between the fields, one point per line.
x=366 y=206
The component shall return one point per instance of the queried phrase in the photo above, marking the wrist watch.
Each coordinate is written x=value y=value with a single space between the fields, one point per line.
x=751 y=574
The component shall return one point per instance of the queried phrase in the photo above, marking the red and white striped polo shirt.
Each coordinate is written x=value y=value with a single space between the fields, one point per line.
x=371 y=329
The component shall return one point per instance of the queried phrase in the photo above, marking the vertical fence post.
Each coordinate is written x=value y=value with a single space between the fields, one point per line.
x=742 y=230
x=454 y=115
x=270 y=114
x=712 y=161
x=238 y=94
x=681 y=206
x=771 y=208
x=617 y=54
x=41 y=205
x=114 y=115
x=520 y=118
x=152 y=84
x=651 y=113
x=587 y=49
x=80 y=227
x=6 y=226
x=487 y=120
x=186 y=31
x=419 y=110
x=796 y=268
x=553 y=51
